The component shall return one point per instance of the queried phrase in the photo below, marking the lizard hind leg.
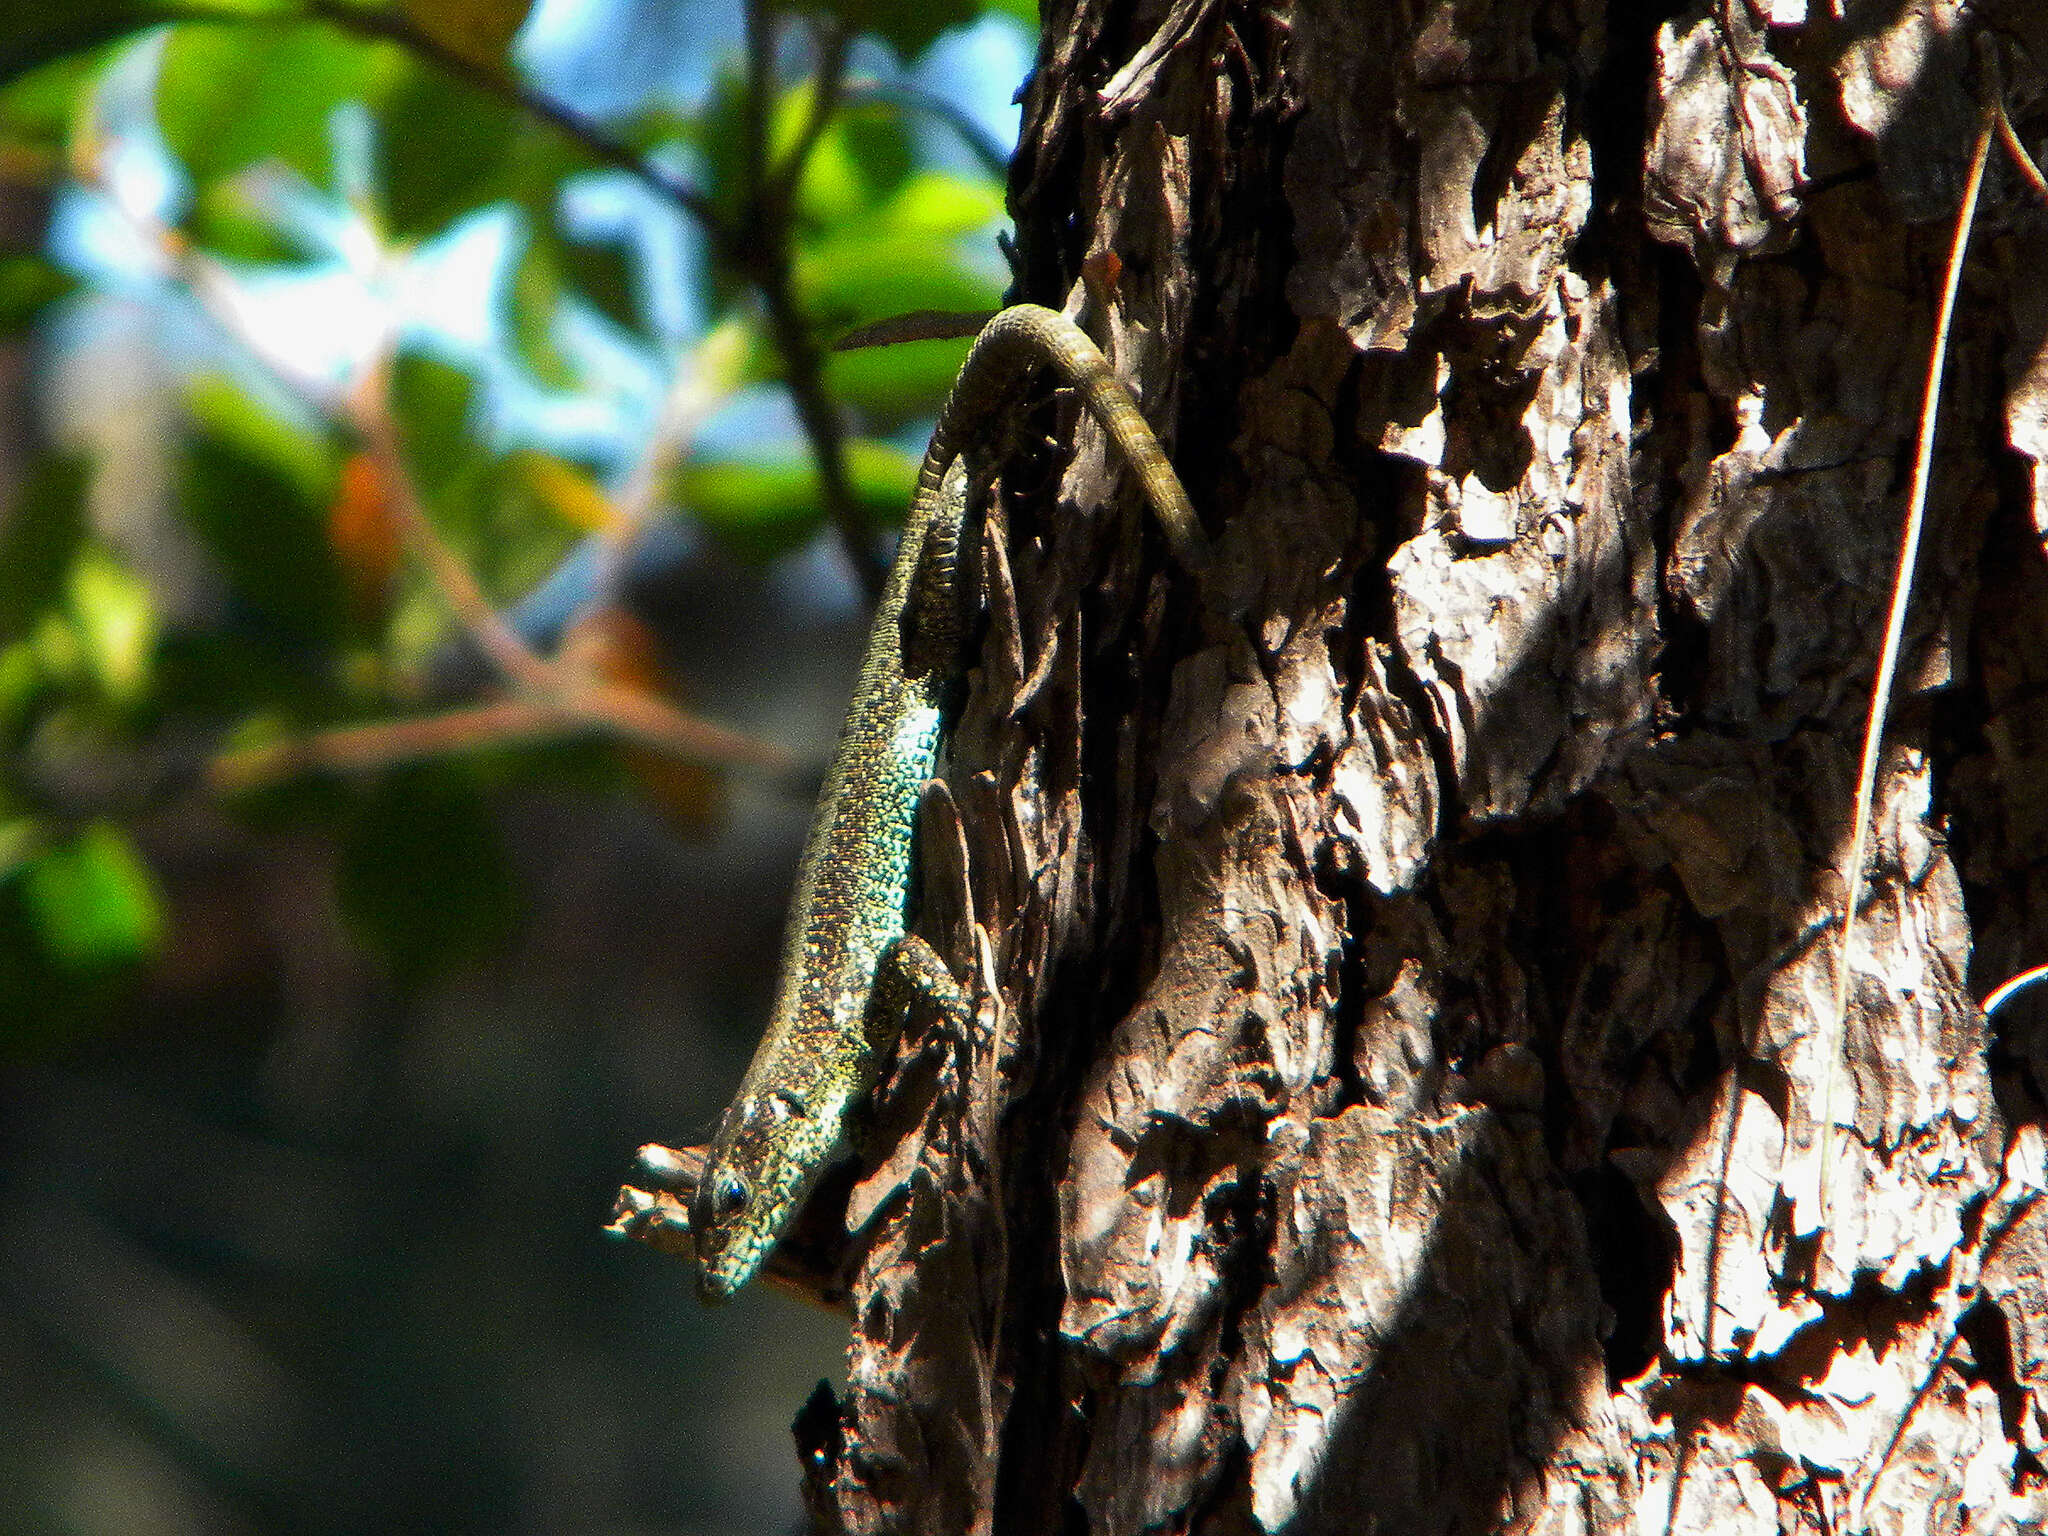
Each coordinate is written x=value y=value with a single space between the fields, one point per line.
x=924 y=1109
x=911 y=972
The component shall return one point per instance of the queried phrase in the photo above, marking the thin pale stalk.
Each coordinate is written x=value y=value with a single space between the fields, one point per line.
x=2021 y=160
x=1888 y=657
x=2005 y=991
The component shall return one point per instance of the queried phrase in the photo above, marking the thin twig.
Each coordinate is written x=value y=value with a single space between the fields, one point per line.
x=994 y=159
x=370 y=411
x=804 y=376
x=757 y=247
x=649 y=720
x=778 y=189
x=366 y=748
x=604 y=710
x=211 y=286
x=760 y=44
x=917 y=325
x=1888 y=658
x=569 y=691
x=2006 y=990
x=764 y=256
x=704 y=378
x=2022 y=161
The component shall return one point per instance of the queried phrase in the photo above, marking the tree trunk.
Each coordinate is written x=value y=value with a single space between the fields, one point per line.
x=1407 y=944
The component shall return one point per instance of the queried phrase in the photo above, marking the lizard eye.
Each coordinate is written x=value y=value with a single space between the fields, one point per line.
x=728 y=1197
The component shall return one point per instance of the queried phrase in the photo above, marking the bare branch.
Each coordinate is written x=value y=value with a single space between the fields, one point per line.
x=607 y=711
x=918 y=325
x=763 y=254
x=2021 y=160
x=370 y=410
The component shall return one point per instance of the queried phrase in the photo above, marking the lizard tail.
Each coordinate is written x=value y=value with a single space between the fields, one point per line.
x=1009 y=346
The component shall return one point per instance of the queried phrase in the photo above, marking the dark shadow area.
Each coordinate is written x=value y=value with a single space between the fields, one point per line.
x=289 y=1246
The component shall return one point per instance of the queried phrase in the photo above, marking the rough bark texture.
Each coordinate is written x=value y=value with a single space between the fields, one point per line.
x=1405 y=945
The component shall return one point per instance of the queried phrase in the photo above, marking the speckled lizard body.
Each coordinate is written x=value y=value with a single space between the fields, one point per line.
x=847 y=966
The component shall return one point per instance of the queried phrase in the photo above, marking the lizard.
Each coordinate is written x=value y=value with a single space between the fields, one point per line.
x=849 y=966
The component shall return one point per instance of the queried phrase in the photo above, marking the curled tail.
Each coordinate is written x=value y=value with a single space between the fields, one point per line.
x=1024 y=337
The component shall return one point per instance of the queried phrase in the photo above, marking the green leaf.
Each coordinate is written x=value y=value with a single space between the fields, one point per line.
x=446 y=148
x=602 y=271
x=20 y=836
x=908 y=254
x=117 y=624
x=486 y=509
x=908 y=25
x=39 y=104
x=38 y=539
x=34 y=34
x=216 y=674
x=941 y=206
x=854 y=166
x=237 y=227
x=534 y=301
x=549 y=268
x=538 y=159
x=854 y=281
x=518 y=534
x=879 y=141
x=890 y=387
x=21 y=684
x=719 y=136
x=92 y=902
x=230 y=96
x=434 y=403
x=835 y=184
x=764 y=508
x=301 y=454
x=423 y=876
x=478 y=30
x=256 y=491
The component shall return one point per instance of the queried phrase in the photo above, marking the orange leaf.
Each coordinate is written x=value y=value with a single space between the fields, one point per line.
x=364 y=535
x=618 y=647
x=569 y=493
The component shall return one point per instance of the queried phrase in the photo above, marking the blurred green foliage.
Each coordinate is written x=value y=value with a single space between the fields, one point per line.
x=121 y=675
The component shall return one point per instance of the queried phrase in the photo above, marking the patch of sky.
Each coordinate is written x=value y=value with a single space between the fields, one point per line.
x=611 y=57
x=90 y=239
x=666 y=247
x=623 y=381
x=975 y=70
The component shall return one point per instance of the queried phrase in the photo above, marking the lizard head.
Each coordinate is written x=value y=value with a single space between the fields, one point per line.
x=768 y=1153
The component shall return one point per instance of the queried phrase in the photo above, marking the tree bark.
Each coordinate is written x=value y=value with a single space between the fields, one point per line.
x=1405 y=947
